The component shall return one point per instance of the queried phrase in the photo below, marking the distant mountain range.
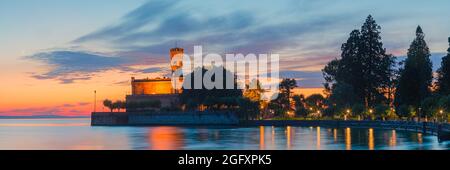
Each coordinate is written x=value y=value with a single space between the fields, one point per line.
x=41 y=117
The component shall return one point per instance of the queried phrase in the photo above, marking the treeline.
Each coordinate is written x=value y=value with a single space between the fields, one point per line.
x=205 y=99
x=365 y=79
x=365 y=82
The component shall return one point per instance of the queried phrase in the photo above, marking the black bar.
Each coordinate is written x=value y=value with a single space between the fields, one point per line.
x=170 y=159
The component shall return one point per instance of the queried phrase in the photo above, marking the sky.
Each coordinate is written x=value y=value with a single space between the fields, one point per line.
x=55 y=53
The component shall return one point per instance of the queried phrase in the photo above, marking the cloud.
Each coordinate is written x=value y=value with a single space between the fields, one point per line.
x=132 y=21
x=69 y=109
x=154 y=27
x=306 y=35
x=69 y=66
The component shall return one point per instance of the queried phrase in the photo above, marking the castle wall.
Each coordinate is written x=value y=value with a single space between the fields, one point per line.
x=151 y=87
x=164 y=118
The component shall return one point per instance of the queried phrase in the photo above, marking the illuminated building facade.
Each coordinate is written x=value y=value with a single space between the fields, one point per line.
x=161 y=89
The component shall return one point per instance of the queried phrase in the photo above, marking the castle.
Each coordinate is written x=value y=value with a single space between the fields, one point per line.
x=163 y=89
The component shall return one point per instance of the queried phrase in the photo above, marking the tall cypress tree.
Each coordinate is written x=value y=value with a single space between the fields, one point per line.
x=376 y=64
x=416 y=77
x=346 y=72
x=350 y=67
x=443 y=83
x=364 y=66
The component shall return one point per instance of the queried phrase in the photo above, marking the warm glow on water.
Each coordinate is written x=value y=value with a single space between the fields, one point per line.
x=77 y=134
x=348 y=139
x=371 y=140
x=262 y=138
x=165 y=138
x=318 y=138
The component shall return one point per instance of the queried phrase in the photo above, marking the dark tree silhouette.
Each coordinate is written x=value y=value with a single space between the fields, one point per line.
x=300 y=106
x=364 y=70
x=109 y=104
x=282 y=104
x=416 y=76
x=212 y=99
x=376 y=64
x=443 y=83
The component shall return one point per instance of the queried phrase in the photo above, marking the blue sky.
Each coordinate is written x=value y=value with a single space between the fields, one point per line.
x=67 y=36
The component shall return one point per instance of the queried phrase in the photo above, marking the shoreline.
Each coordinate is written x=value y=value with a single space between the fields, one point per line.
x=44 y=117
x=442 y=130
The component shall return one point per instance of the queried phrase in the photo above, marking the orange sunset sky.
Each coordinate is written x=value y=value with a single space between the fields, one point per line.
x=56 y=53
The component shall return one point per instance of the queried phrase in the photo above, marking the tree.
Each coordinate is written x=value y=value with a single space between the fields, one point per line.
x=343 y=96
x=282 y=104
x=330 y=72
x=254 y=91
x=358 y=110
x=248 y=109
x=143 y=105
x=109 y=104
x=444 y=103
x=382 y=111
x=404 y=111
x=287 y=85
x=443 y=83
x=364 y=70
x=300 y=108
x=416 y=76
x=348 y=69
x=430 y=106
x=375 y=62
x=315 y=102
x=212 y=99
x=118 y=105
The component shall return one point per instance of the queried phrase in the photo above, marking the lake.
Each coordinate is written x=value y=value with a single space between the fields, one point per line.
x=77 y=134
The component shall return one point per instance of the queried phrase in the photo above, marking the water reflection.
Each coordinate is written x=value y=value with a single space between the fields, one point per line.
x=371 y=140
x=288 y=137
x=261 y=138
x=166 y=138
x=348 y=139
x=393 y=139
x=75 y=134
x=419 y=138
x=272 y=139
x=335 y=135
x=318 y=138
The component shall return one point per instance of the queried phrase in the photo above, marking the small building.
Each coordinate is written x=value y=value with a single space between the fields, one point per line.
x=158 y=89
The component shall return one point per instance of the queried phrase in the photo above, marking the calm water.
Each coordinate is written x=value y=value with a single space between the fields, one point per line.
x=76 y=134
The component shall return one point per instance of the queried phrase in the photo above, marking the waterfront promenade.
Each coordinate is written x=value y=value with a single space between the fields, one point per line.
x=442 y=130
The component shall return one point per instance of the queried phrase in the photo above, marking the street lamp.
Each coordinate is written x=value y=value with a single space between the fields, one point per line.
x=348 y=113
x=95 y=100
x=420 y=111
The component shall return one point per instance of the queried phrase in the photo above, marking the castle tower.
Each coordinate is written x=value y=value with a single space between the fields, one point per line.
x=176 y=58
x=176 y=64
